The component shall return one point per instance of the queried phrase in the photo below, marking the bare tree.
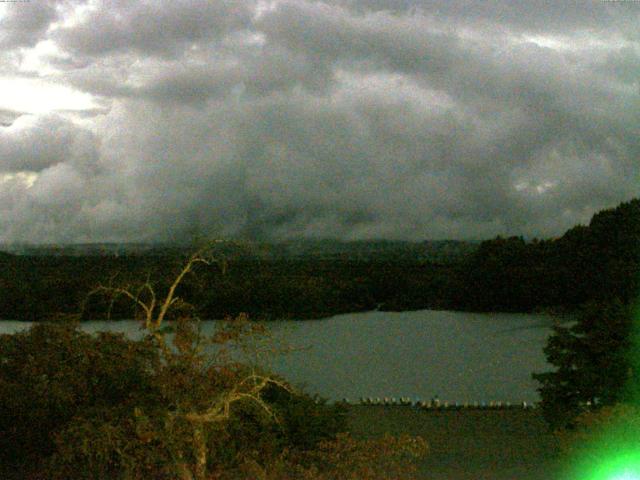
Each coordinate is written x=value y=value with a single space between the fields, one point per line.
x=188 y=350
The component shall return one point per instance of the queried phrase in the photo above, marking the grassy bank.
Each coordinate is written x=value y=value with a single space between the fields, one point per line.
x=468 y=445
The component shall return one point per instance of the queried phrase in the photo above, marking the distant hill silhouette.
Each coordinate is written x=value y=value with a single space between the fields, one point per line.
x=596 y=262
x=299 y=279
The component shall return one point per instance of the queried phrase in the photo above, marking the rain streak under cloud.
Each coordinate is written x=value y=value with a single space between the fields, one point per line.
x=154 y=120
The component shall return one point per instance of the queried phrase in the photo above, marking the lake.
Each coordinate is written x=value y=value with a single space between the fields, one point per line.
x=457 y=356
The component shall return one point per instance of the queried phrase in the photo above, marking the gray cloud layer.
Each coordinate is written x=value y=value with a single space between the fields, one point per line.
x=350 y=119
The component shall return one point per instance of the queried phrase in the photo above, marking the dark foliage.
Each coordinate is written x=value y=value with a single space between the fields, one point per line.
x=74 y=405
x=264 y=289
x=594 y=362
x=593 y=263
x=54 y=375
x=306 y=420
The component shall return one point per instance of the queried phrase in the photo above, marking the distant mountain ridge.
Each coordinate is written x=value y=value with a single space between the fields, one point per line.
x=319 y=278
x=324 y=249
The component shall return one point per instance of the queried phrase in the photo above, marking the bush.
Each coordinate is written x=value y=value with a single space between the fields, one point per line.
x=594 y=363
x=54 y=374
x=104 y=406
x=342 y=457
x=74 y=405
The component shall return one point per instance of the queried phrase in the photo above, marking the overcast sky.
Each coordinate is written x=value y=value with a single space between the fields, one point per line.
x=158 y=120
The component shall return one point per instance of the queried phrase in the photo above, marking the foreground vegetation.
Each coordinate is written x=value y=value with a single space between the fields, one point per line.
x=74 y=405
x=173 y=405
x=596 y=360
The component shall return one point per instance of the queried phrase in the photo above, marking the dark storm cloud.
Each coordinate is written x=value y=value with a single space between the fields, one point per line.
x=156 y=27
x=257 y=75
x=351 y=119
x=35 y=143
x=532 y=16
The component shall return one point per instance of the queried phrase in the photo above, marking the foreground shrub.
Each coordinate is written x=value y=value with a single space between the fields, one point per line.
x=343 y=458
x=174 y=405
x=73 y=405
x=54 y=374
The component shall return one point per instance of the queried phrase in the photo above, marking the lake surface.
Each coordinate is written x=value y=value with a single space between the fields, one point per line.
x=457 y=356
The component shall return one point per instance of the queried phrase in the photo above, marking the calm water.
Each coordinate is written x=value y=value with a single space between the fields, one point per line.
x=457 y=356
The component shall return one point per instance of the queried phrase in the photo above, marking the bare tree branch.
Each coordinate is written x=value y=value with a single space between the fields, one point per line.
x=239 y=334
x=169 y=299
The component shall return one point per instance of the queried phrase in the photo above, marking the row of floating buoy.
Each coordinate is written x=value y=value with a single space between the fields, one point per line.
x=436 y=404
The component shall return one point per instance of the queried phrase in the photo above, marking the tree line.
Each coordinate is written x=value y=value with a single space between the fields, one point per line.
x=596 y=262
x=593 y=263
